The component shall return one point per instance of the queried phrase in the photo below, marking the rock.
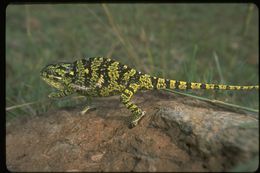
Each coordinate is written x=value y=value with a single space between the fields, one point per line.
x=175 y=135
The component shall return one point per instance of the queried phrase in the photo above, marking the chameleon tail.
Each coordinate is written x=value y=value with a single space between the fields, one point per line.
x=161 y=83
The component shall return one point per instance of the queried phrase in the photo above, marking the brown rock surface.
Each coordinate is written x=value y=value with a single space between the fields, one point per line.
x=177 y=134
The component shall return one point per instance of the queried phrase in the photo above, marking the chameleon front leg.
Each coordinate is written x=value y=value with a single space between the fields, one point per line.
x=85 y=91
x=88 y=106
x=137 y=113
x=62 y=93
x=86 y=109
x=68 y=90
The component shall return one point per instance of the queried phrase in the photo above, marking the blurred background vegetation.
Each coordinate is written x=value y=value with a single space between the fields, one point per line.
x=213 y=43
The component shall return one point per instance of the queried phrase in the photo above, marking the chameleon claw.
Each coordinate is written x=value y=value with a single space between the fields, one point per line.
x=52 y=95
x=135 y=121
x=86 y=109
x=132 y=125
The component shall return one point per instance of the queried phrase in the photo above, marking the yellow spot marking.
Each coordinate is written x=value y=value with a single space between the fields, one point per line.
x=86 y=71
x=134 y=87
x=127 y=104
x=113 y=71
x=209 y=86
x=182 y=85
x=195 y=85
x=172 y=84
x=222 y=87
x=61 y=72
x=250 y=87
x=71 y=72
x=145 y=81
x=100 y=81
x=66 y=65
x=104 y=91
x=80 y=66
x=238 y=87
x=94 y=67
x=125 y=99
x=161 y=83
x=232 y=87
x=132 y=107
x=245 y=87
x=127 y=75
x=130 y=93
x=80 y=70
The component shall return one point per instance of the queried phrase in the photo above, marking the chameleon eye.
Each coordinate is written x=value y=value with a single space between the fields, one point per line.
x=69 y=70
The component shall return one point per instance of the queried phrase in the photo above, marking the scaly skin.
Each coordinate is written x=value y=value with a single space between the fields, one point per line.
x=101 y=77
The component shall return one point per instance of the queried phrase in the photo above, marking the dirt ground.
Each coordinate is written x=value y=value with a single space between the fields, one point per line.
x=177 y=134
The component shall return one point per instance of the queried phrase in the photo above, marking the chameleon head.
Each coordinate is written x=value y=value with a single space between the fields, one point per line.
x=58 y=75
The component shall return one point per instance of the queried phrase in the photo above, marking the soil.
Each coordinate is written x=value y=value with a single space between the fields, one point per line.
x=177 y=134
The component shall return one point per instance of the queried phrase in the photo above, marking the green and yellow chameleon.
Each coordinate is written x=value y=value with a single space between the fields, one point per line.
x=101 y=77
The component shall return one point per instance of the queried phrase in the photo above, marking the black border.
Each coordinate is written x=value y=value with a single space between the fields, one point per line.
x=5 y=3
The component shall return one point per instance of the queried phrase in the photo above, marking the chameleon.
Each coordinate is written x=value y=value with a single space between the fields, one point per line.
x=102 y=77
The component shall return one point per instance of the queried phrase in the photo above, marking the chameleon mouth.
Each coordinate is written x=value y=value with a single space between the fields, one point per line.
x=52 y=82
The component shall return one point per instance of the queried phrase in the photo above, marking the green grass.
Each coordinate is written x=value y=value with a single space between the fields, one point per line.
x=192 y=42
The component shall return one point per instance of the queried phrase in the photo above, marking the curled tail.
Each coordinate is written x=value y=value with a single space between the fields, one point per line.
x=161 y=83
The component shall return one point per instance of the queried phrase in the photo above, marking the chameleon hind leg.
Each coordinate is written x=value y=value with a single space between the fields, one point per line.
x=88 y=106
x=86 y=109
x=137 y=113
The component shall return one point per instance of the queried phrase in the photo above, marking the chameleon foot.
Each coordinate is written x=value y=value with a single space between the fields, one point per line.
x=86 y=109
x=54 y=95
x=136 y=119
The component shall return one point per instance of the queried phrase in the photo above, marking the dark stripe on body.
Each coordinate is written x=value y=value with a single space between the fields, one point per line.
x=129 y=105
x=167 y=82
x=104 y=72
x=154 y=82
x=122 y=71
x=100 y=71
x=75 y=74
x=188 y=84
x=87 y=65
x=136 y=77
x=216 y=87
x=101 y=68
x=127 y=94
x=177 y=83
x=62 y=68
x=130 y=89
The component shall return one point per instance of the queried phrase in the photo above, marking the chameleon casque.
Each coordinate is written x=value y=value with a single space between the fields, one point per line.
x=101 y=77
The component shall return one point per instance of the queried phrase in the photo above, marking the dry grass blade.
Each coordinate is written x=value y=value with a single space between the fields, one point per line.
x=18 y=106
x=248 y=18
x=127 y=45
x=36 y=102
x=218 y=67
x=28 y=26
x=215 y=101
x=144 y=38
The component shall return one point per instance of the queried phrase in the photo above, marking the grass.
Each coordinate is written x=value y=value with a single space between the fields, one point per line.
x=194 y=42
